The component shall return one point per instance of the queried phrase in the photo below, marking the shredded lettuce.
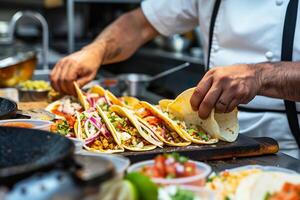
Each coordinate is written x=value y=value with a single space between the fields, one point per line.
x=63 y=127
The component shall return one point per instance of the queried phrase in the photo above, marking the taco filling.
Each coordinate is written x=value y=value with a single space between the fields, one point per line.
x=64 y=126
x=95 y=99
x=65 y=107
x=195 y=131
x=95 y=132
x=129 y=135
x=159 y=126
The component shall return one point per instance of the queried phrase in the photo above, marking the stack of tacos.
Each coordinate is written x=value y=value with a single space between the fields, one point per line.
x=109 y=124
x=119 y=121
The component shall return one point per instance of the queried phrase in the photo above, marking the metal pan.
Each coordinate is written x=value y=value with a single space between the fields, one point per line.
x=8 y=108
x=25 y=151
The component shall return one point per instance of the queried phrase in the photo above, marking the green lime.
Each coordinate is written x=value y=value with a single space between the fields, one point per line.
x=146 y=189
x=119 y=190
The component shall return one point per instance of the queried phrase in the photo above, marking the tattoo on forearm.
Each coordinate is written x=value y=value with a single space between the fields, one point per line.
x=113 y=51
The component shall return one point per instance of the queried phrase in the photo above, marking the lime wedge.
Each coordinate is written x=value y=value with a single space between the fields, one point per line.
x=146 y=189
x=119 y=190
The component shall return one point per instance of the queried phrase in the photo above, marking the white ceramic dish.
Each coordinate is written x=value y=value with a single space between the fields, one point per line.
x=263 y=168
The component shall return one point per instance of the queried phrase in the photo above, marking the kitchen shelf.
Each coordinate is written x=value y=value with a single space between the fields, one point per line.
x=185 y=57
x=107 y=1
x=71 y=16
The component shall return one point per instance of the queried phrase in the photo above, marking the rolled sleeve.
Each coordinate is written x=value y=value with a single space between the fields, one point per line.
x=171 y=16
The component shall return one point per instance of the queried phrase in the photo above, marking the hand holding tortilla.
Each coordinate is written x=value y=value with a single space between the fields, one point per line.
x=80 y=66
x=224 y=89
x=223 y=126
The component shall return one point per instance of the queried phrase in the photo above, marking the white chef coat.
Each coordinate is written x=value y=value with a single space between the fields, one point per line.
x=244 y=32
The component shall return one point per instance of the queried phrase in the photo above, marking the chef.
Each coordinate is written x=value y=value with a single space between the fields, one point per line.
x=251 y=48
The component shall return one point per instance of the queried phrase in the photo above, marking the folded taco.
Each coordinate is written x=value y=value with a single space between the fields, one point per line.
x=126 y=127
x=160 y=125
x=98 y=136
x=97 y=95
x=223 y=126
x=64 y=107
x=129 y=102
x=194 y=132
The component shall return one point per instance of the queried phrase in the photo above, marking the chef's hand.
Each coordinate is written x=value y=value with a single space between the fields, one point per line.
x=80 y=66
x=223 y=88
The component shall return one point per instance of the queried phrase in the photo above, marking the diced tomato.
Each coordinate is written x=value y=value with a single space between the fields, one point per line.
x=159 y=164
x=53 y=128
x=119 y=126
x=151 y=172
x=170 y=170
x=152 y=120
x=71 y=120
x=143 y=112
x=189 y=169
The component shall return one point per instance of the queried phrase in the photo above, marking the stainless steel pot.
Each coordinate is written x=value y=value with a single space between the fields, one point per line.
x=136 y=84
x=133 y=84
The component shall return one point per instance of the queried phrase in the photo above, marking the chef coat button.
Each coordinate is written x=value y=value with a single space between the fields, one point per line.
x=279 y=2
x=269 y=55
x=215 y=48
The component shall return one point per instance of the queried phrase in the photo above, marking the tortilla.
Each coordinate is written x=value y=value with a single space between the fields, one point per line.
x=223 y=126
x=96 y=92
x=192 y=132
x=257 y=186
x=167 y=125
x=102 y=142
x=102 y=92
x=132 y=136
x=81 y=97
x=129 y=102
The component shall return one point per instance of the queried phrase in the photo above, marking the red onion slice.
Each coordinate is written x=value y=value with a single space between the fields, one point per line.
x=92 y=138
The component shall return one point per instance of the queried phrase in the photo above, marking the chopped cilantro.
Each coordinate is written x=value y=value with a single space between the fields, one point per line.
x=177 y=157
x=182 y=194
x=227 y=198
x=63 y=127
x=170 y=176
x=203 y=136
x=267 y=196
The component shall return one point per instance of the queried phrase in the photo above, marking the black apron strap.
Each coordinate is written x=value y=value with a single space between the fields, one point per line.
x=211 y=29
x=287 y=55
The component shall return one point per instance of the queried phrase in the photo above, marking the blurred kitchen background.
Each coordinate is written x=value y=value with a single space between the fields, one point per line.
x=70 y=24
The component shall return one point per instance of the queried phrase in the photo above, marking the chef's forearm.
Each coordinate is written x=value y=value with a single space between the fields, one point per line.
x=280 y=80
x=123 y=37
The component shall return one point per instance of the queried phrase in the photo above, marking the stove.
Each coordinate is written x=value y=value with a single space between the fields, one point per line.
x=78 y=180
